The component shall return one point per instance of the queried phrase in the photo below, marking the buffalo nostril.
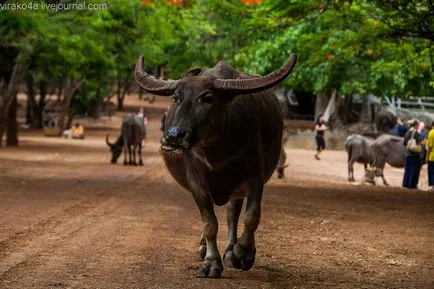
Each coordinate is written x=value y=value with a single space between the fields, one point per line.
x=173 y=132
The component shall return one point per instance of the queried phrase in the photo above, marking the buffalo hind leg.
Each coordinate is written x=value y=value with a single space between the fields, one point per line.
x=125 y=155
x=244 y=251
x=135 y=147
x=233 y=212
x=212 y=264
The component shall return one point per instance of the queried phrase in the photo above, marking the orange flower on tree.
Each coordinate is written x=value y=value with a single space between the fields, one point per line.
x=251 y=3
x=145 y=3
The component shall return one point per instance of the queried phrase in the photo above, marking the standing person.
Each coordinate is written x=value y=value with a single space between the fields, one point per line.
x=413 y=140
x=430 y=156
x=320 y=127
x=424 y=134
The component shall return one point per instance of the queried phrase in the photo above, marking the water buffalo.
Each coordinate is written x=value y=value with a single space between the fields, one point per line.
x=385 y=120
x=133 y=131
x=222 y=140
x=387 y=149
x=359 y=149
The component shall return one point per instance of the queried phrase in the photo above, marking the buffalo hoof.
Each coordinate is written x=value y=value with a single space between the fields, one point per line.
x=211 y=269
x=141 y=163
x=243 y=258
x=201 y=252
x=134 y=164
x=125 y=164
x=227 y=258
x=130 y=163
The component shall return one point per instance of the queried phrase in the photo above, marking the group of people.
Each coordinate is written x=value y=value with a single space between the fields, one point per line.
x=418 y=141
x=420 y=150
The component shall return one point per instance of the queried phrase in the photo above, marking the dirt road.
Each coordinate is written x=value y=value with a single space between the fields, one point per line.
x=69 y=219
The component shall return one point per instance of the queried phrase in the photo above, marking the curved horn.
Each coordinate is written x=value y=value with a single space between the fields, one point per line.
x=257 y=84
x=151 y=84
x=107 y=140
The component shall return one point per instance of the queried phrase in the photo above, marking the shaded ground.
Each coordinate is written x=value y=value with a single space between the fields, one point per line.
x=69 y=219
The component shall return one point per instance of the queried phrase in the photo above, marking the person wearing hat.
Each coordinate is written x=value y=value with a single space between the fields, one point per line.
x=413 y=141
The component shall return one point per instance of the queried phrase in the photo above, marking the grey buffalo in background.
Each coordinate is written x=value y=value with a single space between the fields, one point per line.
x=133 y=131
x=385 y=149
x=359 y=149
x=222 y=141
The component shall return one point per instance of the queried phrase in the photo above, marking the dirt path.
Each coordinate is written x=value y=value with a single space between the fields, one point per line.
x=69 y=219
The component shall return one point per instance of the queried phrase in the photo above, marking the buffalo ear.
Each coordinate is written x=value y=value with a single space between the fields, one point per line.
x=193 y=72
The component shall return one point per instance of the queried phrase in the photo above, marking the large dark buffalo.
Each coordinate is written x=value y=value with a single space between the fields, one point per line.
x=222 y=141
x=133 y=131
x=359 y=149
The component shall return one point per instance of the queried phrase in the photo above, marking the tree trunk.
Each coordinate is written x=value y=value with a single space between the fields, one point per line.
x=59 y=94
x=32 y=109
x=365 y=117
x=12 y=124
x=8 y=93
x=122 y=90
x=120 y=95
x=70 y=88
x=162 y=72
x=321 y=103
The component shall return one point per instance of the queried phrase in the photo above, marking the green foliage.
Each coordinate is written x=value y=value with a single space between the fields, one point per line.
x=358 y=46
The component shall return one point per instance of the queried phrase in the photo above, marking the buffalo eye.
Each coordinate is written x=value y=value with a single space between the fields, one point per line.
x=207 y=98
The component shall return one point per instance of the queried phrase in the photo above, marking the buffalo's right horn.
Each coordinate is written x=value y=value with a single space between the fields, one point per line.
x=256 y=84
x=151 y=84
x=107 y=140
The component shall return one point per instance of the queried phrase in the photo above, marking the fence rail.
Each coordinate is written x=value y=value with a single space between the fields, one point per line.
x=423 y=103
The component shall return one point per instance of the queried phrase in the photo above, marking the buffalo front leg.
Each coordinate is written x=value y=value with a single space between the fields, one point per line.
x=351 y=171
x=130 y=160
x=244 y=251
x=212 y=264
x=379 y=172
x=140 y=155
x=201 y=252
x=234 y=210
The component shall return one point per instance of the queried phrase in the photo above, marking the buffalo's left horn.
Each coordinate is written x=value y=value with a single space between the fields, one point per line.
x=107 y=140
x=256 y=84
x=151 y=84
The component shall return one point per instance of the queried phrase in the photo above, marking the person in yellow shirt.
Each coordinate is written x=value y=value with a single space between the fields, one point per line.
x=430 y=156
x=77 y=131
